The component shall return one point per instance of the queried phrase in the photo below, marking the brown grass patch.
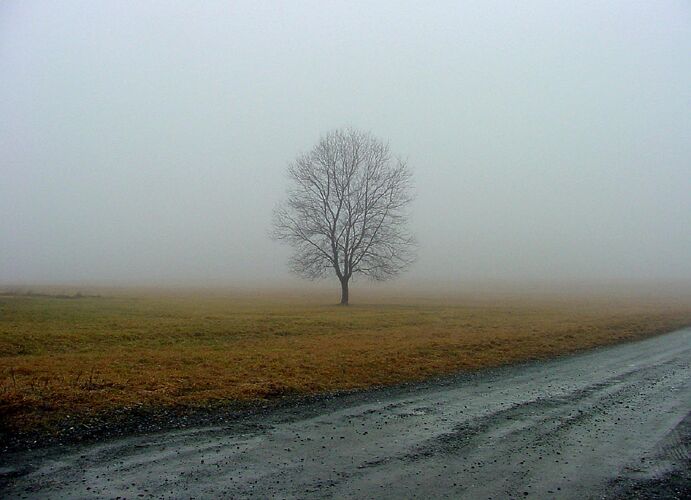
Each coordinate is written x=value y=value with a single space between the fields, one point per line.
x=81 y=357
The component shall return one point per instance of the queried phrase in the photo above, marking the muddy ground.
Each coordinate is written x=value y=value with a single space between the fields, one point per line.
x=610 y=423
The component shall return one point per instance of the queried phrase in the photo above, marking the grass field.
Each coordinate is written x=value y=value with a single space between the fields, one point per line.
x=83 y=356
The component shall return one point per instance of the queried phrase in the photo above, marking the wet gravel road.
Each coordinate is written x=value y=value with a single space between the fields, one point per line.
x=606 y=423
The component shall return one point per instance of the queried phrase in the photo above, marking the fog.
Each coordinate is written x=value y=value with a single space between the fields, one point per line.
x=147 y=142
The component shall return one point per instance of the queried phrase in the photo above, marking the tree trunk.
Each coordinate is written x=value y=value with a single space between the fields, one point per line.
x=344 y=292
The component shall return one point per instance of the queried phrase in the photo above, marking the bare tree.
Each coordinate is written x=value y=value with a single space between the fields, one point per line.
x=346 y=210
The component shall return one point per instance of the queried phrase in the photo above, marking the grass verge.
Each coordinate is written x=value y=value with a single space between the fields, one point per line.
x=66 y=357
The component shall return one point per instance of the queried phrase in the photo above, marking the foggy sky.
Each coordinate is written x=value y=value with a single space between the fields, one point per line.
x=147 y=142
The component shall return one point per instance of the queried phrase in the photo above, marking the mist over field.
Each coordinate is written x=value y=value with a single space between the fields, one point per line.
x=146 y=143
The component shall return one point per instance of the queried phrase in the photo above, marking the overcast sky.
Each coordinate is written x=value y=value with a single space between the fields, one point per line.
x=146 y=142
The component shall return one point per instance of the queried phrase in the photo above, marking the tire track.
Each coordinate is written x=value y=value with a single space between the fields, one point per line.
x=605 y=423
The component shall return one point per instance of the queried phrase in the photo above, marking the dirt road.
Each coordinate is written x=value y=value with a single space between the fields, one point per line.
x=611 y=422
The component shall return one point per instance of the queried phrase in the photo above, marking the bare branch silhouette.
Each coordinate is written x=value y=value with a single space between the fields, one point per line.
x=346 y=210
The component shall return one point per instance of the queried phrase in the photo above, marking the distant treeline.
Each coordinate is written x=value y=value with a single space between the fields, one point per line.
x=30 y=293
